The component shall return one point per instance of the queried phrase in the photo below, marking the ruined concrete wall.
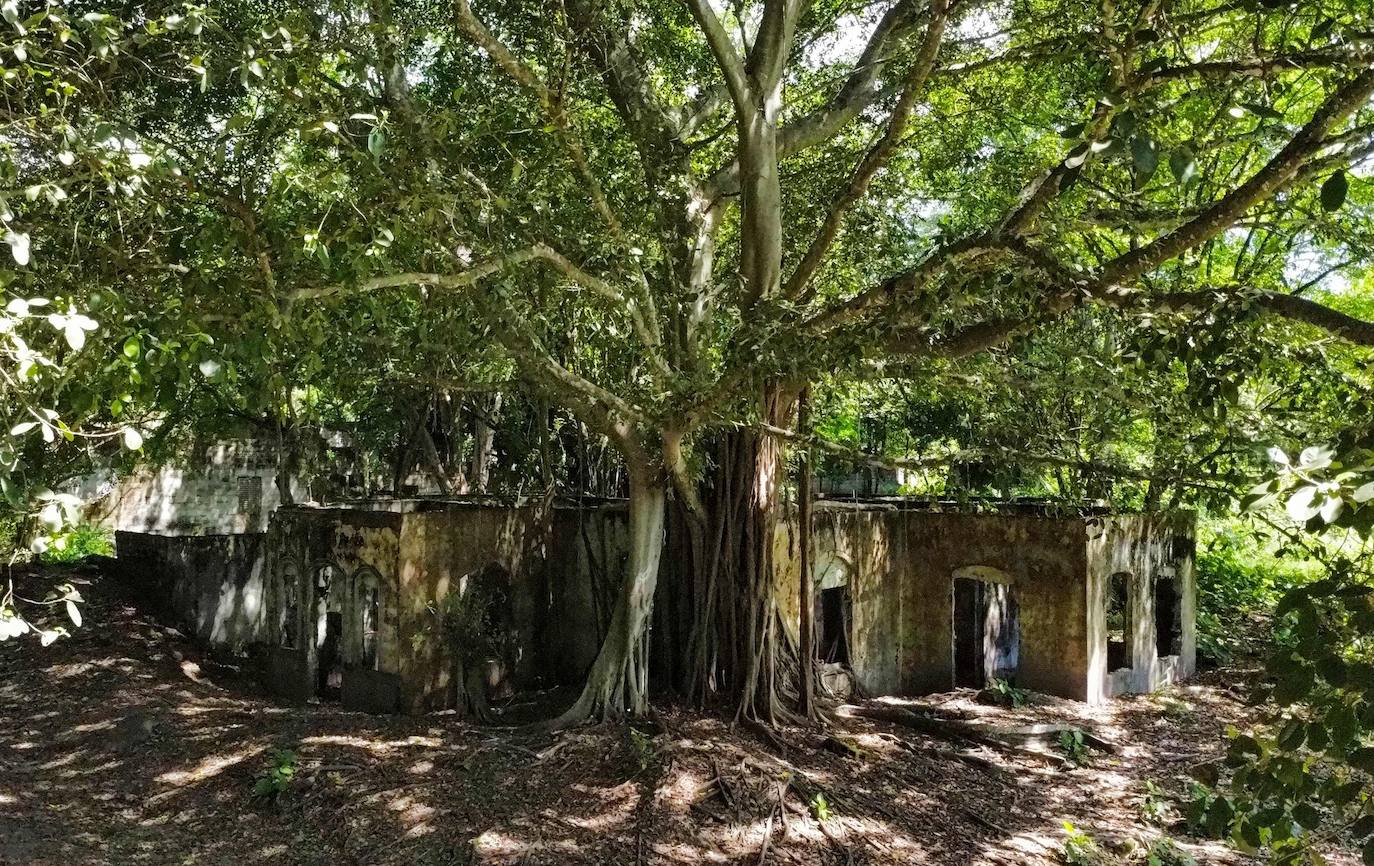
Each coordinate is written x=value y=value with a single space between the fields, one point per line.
x=439 y=552
x=228 y=487
x=1147 y=547
x=560 y=570
x=211 y=586
x=355 y=549
x=585 y=566
x=900 y=567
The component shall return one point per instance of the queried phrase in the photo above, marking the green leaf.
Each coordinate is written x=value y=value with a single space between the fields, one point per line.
x=1307 y=815
x=376 y=141
x=19 y=246
x=1333 y=191
x=1363 y=759
x=1183 y=164
x=1145 y=155
x=133 y=440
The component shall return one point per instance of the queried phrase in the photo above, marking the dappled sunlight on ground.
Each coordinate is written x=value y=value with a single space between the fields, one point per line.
x=122 y=745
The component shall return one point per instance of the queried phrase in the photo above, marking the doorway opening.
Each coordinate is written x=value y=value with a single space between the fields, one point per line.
x=1168 y=618
x=986 y=632
x=834 y=617
x=328 y=633
x=1120 y=621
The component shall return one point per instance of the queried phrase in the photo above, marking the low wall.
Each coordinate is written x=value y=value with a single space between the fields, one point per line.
x=210 y=586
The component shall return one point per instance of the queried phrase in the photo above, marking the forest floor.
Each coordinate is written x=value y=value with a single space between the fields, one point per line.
x=122 y=745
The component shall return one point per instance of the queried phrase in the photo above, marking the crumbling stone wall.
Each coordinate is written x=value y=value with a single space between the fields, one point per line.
x=900 y=565
x=558 y=569
x=211 y=586
x=1150 y=549
x=229 y=487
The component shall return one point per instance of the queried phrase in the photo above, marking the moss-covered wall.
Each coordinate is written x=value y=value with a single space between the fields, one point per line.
x=901 y=565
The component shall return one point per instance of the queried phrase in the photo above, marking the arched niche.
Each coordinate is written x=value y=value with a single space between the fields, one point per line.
x=984 y=573
x=369 y=615
x=287 y=605
x=831 y=571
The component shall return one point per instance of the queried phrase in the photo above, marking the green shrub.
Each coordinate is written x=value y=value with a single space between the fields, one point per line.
x=79 y=542
x=1072 y=745
x=1007 y=694
x=1238 y=577
x=276 y=779
x=1081 y=850
x=1155 y=806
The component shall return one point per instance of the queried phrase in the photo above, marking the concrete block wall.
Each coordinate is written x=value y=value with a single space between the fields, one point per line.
x=229 y=487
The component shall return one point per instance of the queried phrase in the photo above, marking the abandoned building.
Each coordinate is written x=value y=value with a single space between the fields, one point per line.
x=362 y=602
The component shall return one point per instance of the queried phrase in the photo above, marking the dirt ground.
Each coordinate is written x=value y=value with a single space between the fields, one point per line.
x=121 y=745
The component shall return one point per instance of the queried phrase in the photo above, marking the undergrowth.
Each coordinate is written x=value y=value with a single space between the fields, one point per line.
x=77 y=543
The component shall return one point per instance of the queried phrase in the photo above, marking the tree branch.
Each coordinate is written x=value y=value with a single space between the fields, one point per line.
x=876 y=158
x=1276 y=174
x=727 y=58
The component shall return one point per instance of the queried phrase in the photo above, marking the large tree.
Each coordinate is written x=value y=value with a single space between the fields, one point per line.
x=671 y=216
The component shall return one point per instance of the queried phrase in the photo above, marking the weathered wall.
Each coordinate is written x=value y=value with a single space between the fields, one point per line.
x=588 y=554
x=211 y=586
x=228 y=487
x=439 y=551
x=901 y=565
x=557 y=604
x=561 y=574
x=355 y=546
x=1145 y=546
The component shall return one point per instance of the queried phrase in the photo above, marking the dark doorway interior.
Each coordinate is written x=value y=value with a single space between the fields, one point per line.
x=969 y=626
x=331 y=658
x=1168 y=618
x=1119 y=627
x=833 y=619
x=987 y=633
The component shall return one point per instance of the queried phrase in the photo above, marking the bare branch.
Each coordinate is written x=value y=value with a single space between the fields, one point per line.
x=1276 y=174
x=1259 y=67
x=526 y=77
x=461 y=279
x=856 y=94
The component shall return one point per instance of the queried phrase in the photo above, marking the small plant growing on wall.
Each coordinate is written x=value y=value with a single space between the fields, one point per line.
x=476 y=629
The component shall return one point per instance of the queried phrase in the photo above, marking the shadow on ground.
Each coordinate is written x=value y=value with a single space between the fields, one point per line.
x=121 y=745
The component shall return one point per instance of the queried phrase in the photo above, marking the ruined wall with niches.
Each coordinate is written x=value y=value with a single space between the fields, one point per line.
x=900 y=564
x=324 y=560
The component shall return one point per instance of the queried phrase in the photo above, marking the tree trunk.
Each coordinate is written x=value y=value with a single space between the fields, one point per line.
x=483 y=444
x=805 y=585
x=618 y=682
x=740 y=648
